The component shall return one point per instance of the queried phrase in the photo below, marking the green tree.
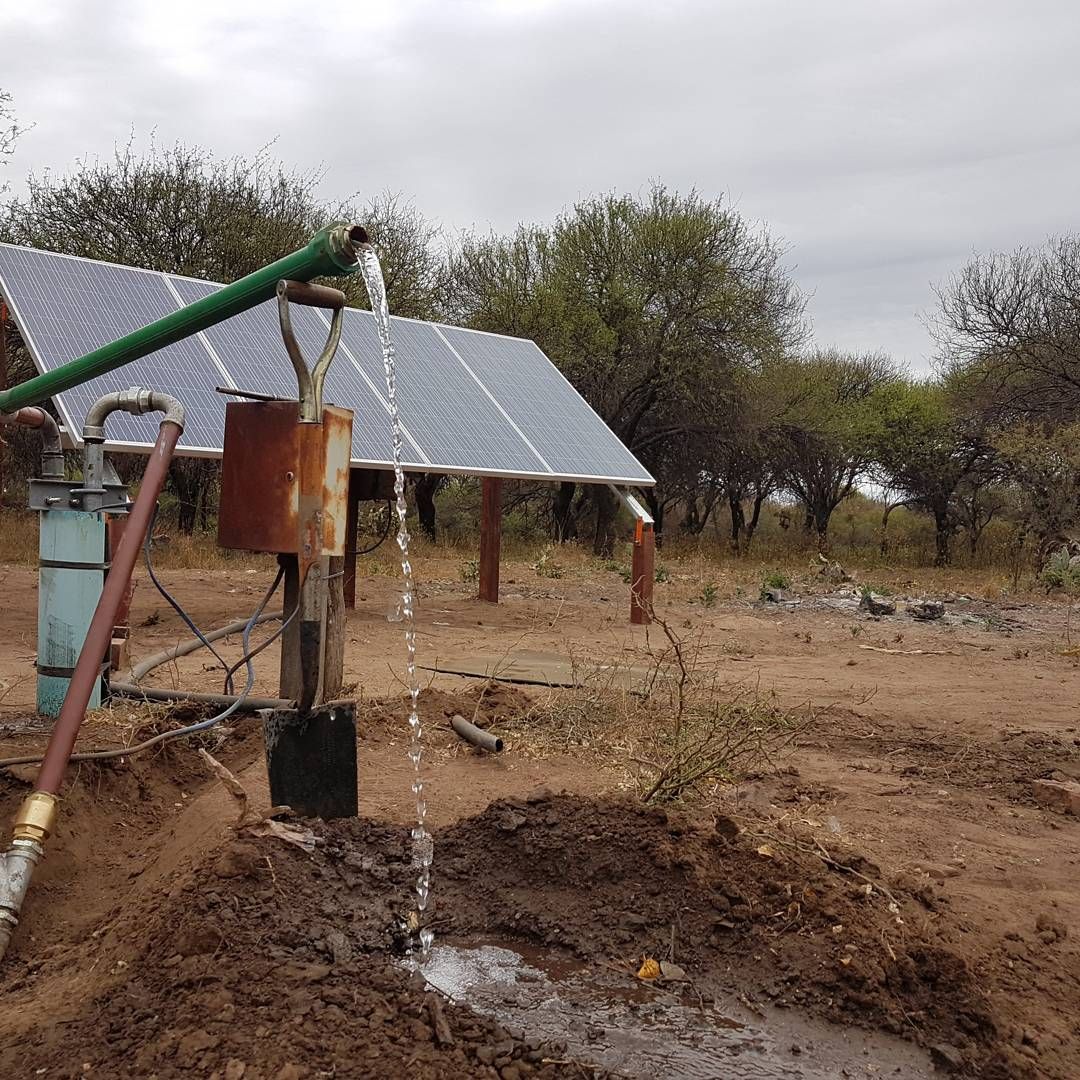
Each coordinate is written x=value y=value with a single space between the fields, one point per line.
x=937 y=457
x=731 y=463
x=646 y=304
x=1009 y=329
x=1043 y=461
x=823 y=423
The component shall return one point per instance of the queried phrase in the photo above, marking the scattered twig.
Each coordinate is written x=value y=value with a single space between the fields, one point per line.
x=253 y=822
x=910 y=652
x=819 y=851
x=443 y=1035
x=844 y=868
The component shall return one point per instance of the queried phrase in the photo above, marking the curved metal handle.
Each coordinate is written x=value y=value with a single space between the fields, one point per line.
x=310 y=384
x=303 y=292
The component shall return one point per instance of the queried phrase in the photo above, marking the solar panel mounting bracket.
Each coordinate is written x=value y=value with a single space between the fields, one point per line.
x=635 y=508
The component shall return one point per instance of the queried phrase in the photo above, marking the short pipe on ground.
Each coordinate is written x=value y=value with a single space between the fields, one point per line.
x=475 y=736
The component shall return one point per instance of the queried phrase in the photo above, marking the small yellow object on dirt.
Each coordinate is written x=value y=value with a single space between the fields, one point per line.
x=649 y=969
x=766 y=851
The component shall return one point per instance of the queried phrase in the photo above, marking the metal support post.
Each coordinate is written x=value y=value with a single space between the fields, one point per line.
x=490 y=537
x=643 y=560
x=642 y=574
x=118 y=652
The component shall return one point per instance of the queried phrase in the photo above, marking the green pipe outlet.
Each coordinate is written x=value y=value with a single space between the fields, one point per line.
x=330 y=253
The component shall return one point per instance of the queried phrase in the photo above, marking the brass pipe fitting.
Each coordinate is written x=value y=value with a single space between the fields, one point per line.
x=36 y=819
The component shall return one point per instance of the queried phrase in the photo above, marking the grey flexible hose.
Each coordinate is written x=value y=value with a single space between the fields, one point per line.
x=478 y=737
x=144 y=667
x=233 y=703
x=199 y=697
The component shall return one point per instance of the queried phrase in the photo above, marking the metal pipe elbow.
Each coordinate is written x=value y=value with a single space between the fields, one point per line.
x=173 y=408
x=52 y=450
x=134 y=400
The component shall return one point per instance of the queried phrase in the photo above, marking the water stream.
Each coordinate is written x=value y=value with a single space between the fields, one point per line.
x=422 y=850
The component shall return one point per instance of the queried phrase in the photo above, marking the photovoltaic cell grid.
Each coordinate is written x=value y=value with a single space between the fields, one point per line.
x=470 y=402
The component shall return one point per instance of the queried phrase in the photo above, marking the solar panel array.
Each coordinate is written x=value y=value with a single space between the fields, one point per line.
x=470 y=402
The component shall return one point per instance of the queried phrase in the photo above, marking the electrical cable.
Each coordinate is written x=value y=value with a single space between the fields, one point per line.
x=385 y=532
x=229 y=688
x=248 y=657
x=190 y=729
x=275 y=635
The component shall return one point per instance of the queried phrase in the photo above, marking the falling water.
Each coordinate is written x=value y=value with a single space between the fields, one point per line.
x=421 y=838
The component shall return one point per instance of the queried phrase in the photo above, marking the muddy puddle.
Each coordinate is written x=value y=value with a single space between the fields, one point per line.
x=648 y=1030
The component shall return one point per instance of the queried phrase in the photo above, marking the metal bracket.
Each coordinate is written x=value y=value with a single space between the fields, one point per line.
x=70 y=495
x=640 y=513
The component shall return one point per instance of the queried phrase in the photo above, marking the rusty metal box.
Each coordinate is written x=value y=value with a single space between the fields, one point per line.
x=260 y=475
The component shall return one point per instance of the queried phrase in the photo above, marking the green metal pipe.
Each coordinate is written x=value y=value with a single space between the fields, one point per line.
x=330 y=253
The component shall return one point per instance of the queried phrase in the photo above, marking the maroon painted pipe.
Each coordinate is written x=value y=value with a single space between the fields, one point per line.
x=99 y=636
x=52 y=451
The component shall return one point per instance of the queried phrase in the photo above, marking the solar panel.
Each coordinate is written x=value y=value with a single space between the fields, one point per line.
x=67 y=307
x=470 y=402
x=257 y=361
x=561 y=427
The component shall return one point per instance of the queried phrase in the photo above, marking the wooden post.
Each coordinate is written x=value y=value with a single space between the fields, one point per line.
x=490 y=537
x=289 y=671
x=642 y=574
x=352 y=515
x=118 y=651
x=334 y=638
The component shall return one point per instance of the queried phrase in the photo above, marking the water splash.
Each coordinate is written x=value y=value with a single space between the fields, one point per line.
x=422 y=847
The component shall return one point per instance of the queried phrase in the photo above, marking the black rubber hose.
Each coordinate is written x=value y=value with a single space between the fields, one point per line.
x=476 y=736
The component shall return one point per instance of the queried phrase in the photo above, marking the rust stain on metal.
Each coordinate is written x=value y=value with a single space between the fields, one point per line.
x=284 y=484
x=311 y=464
x=337 y=428
x=260 y=486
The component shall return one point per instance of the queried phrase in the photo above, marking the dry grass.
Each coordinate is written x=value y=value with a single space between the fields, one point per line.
x=127 y=722
x=18 y=537
x=690 y=566
x=200 y=552
x=673 y=731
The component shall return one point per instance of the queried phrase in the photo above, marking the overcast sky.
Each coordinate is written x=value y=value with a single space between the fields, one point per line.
x=884 y=141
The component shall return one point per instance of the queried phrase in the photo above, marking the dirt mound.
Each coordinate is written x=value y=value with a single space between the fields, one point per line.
x=256 y=966
x=1005 y=766
x=483 y=703
x=267 y=962
x=619 y=881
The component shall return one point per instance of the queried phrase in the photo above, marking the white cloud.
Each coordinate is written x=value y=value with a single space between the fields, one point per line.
x=885 y=141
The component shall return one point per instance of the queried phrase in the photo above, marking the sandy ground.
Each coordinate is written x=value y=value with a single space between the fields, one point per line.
x=927 y=739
